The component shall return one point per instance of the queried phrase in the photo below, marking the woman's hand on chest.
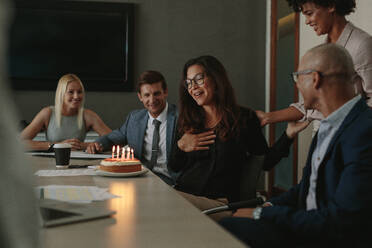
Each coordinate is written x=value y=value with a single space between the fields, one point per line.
x=196 y=142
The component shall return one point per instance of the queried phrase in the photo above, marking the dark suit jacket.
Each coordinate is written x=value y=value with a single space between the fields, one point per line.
x=132 y=132
x=343 y=192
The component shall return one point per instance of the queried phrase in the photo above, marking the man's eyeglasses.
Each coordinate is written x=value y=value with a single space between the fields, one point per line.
x=304 y=72
x=334 y=74
x=198 y=79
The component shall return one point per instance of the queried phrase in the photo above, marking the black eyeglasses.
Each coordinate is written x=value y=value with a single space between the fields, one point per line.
x=304 y=72
x=198 y=79
x=297 y=73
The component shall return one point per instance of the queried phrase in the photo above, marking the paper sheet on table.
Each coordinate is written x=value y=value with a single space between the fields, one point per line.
x=77 y=194
x=66 y=172
x=74 y=154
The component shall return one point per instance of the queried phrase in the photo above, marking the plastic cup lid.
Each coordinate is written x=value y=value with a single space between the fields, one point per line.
x=62 y=145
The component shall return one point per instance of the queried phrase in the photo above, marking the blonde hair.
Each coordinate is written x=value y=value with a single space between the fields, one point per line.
x=60 y=93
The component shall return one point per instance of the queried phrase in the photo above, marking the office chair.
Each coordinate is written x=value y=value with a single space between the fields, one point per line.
x=236 y=205
x=250 y=175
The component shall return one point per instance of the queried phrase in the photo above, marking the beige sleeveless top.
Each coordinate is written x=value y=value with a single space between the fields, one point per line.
x=68 y=130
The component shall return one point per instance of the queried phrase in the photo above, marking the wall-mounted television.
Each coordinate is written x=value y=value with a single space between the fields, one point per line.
x=93 y=40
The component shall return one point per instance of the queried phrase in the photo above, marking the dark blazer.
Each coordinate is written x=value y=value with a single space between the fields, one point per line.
x=132 y=132
x=343 y=192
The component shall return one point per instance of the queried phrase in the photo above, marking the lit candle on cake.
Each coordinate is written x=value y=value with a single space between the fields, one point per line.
x=113 y=152
x=118 y=151
x=128 y=151
x=122 y=153
x=132 y=153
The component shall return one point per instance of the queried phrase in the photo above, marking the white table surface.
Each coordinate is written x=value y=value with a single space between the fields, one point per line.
x=149 y=214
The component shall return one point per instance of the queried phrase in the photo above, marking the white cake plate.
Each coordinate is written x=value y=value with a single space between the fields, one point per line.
x=144 y=170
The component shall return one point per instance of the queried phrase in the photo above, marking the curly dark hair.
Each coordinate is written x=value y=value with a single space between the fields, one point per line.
x=192 y=116
x=343 y=7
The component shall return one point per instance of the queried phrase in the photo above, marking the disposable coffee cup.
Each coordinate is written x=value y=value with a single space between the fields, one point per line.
x=62 y=154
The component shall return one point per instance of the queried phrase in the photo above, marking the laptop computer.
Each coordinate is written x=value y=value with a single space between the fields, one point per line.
x=54 y=213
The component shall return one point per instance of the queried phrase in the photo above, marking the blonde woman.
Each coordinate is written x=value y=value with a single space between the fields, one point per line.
x=67 y=121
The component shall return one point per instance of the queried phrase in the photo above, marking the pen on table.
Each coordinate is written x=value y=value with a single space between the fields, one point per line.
x=78 y=166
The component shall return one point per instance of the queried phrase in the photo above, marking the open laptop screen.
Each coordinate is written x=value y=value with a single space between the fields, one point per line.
x=55 y=213
x=49 y=214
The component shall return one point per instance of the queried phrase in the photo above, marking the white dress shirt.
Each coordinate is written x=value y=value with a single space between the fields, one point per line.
x=161 y=165
x=327 y=129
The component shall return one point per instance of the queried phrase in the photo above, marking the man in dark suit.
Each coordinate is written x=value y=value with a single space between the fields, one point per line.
x=140 y=128
x=331 y=206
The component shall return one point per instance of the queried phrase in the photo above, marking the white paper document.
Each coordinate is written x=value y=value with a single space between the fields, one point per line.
x=81 y=154
x=76 y=194
x=74 y=154
x=66 y=172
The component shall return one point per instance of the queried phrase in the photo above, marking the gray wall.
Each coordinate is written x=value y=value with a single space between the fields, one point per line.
x=169 y=32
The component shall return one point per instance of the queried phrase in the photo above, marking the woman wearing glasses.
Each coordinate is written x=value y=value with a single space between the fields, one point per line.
x=67 y=121
x=328 y=17
x=214 y=136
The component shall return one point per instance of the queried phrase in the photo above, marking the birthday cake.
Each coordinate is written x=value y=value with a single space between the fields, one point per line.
x=120 y=166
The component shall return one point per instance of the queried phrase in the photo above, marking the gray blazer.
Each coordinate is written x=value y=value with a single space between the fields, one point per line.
x=132 y=132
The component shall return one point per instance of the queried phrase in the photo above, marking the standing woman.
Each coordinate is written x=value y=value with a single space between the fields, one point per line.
x=67 y=121
x=327 y=17
x=214 y=135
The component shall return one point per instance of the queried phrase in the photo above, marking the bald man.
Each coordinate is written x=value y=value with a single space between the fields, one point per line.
x=331 y=206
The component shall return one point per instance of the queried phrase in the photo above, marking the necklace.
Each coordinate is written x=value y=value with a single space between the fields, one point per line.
x=212 y=123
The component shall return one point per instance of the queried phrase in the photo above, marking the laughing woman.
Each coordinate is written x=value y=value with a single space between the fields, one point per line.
x=214 y=135
x=67 y=121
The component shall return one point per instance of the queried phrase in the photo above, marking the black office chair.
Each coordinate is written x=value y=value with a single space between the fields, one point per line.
x=236 y=205
x=250 y=175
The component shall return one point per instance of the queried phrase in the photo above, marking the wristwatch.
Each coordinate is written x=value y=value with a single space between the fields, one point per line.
x=50 y=147
x=257 y=213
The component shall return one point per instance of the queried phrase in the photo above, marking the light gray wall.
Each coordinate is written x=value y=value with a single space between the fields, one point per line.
x=169 y=32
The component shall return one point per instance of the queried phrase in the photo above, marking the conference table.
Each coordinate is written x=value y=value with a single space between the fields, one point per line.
x=149 y=213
